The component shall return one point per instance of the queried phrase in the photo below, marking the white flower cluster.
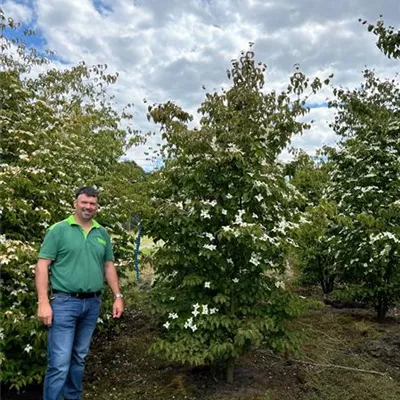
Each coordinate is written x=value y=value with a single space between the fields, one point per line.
x=238 y=217
x=35 y=171
x=280 y=284
x=266 y=238
x=284 y=225
x=209 y=236
x=210 y=247
x=198 y=309
x=189 y=324
x=259 y=184
x=259 y=198
x=383 y=235
x=211 y=203
x=166 y=325
x=255 y=259
x=239 y=221
x=205 y=214
x=204 y=311
x=303 y=220
x=170 y=316
x=28 y=348
x=213 y=143
x=232 y=148
x=179 y=205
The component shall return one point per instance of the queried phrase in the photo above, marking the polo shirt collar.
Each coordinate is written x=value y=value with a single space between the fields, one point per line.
x=72 y=221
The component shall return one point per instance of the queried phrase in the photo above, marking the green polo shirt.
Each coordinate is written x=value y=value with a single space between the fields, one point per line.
x=78 y=257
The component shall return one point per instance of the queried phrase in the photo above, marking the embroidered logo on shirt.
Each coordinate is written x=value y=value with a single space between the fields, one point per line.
x=102 y=241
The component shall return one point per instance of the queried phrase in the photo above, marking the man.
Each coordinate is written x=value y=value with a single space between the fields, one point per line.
x=78 y=253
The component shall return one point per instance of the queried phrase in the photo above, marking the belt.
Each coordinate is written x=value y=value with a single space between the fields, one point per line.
x=82 y=295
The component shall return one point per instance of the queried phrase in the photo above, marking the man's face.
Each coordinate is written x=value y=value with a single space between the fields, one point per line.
x=85 y=207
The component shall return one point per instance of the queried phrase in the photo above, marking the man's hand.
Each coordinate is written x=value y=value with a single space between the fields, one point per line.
x=110 y=273
x=45 y=313
x=118 y=307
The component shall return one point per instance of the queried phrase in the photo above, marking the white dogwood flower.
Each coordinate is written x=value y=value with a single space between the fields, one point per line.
x=205 y=214
x=28 y=348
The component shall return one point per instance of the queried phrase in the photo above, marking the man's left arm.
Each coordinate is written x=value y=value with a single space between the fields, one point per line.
x=110 y=273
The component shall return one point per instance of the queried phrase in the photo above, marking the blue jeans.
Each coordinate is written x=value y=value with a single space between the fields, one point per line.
x=74 y=321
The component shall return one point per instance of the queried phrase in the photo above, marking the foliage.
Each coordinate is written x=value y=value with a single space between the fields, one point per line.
x=309 y=174
x=388 y=37
x=316 y=260
x=59 y=131
x=365 y=183
x=224 y=212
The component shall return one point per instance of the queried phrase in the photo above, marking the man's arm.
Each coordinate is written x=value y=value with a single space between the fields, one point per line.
x=44 y=312
x=110 y=273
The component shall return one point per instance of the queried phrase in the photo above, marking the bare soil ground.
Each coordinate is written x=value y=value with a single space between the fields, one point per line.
x=346 y=355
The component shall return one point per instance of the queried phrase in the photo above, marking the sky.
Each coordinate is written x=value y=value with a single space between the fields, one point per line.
x=169 y=49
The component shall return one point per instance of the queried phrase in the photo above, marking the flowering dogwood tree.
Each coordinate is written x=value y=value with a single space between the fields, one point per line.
x=58 y=131
x=365 y=183
x=224 y=212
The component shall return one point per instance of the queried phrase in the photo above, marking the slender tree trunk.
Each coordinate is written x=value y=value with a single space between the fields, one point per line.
x=381 y=309
x=230 y=367
x=383 y=304
x=327 y=283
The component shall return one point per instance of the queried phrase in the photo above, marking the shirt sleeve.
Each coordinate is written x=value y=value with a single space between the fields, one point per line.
x=49 y=247
x=109 y=254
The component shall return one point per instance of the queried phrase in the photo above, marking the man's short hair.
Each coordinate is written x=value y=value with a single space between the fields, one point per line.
x=89 y=191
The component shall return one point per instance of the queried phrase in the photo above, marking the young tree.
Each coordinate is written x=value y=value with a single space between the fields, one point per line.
x=365 y=183
x=315 y=258
x=224 y=211
x=315 y=262
x=58 y=131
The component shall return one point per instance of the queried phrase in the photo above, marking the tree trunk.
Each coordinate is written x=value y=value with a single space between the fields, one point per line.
x=381 y=309
x=230 y=366
x=327 y=284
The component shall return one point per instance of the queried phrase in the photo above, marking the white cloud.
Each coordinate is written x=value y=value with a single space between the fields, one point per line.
x=19 y=10
x=167 y=50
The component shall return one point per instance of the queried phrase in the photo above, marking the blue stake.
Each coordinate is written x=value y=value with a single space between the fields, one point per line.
x=136 y=255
